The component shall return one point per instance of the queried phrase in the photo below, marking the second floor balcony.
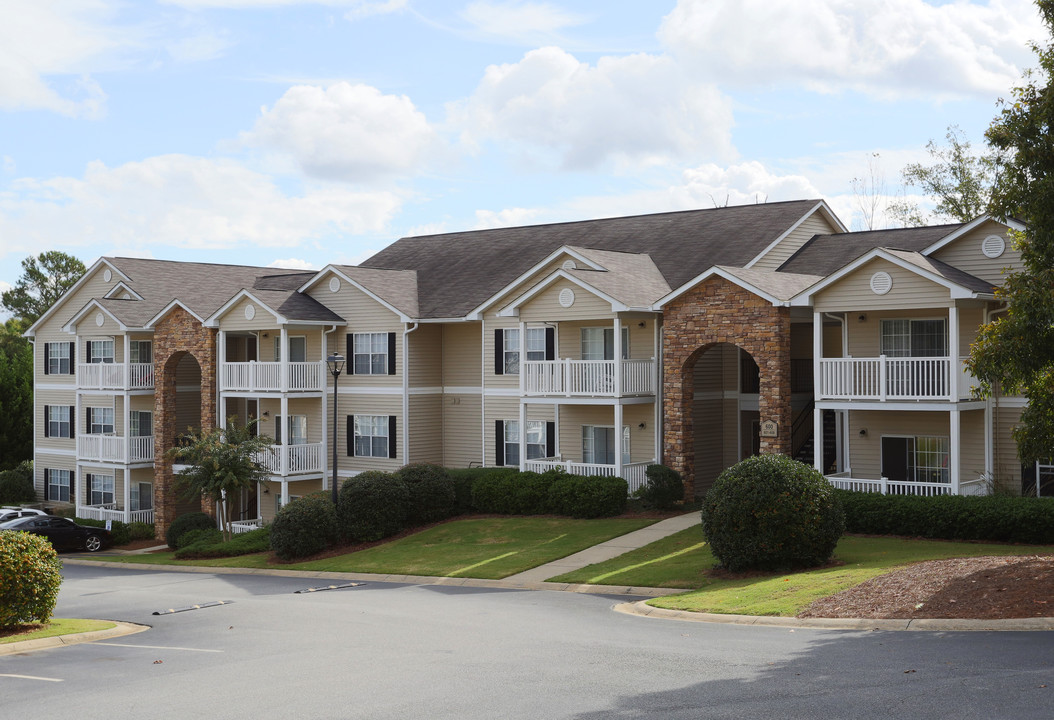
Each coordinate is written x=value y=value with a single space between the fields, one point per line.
x=115 y=376
x=605 y=378
x=294 y=459
x=273 y=376
x=115 y=448
x=894 y=378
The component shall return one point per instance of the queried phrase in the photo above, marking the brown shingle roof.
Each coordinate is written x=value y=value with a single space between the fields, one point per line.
x=824 y=254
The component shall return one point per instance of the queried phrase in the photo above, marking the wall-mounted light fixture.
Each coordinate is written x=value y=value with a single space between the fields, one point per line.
x=267 y=413
x=641 y=324
x=642 y=426
x=863 y=432
x=862 y=317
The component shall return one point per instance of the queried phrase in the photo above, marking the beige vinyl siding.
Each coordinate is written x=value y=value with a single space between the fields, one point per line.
x=234 y=318
x=574 y=417
x=41 y=461
x=546 y=307
x=462 y=430
x=426 y=429
x=853 y=292
x=426 y=356
x=865 y=451
x=54 y=398
x=94 y=287
x=530 y=281
x=461 y=359
x=971 y=446
x=369 y=405
x=497 y=408
x=1006 y=464
x=89 y=326
x=832 y=340
x=965 y=254
x=51 y=336
x=970 y=321
x=297 y=489
x=865 y=337
x=641 y=340
x=815 y=224
x=318 y=428
x=493 y=380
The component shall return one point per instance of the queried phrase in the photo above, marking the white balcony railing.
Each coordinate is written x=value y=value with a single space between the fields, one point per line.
x=114 y=448
x=293 y=459
x=267 y=376
x=842 y=481
x=893 y=378
x=112 y=376
x=244 y=526
x=632 y=473
x=589 y=377
x=110 y=512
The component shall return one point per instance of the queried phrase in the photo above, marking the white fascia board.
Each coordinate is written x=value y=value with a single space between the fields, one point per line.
x=122 y=286
x=820 y=207
x=972 y=225
x=164 y=311
x=213 y=321
x=513 y=308
x=709 y=274
x=315 y=278
x=476 y=312
x=32 y=330
x=403 y=317
x=71 y=326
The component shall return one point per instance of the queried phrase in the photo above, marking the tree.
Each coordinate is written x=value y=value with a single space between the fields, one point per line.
x=221 y=462
x=16 y=398
x=44 y=279
x=1016 y=351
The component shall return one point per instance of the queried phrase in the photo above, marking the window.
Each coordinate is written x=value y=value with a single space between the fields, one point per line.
x=297 y=428
x=539 y=344
x=100 y=351
x=57 y=421
x=510 y=348
x=915 y=459
x=58 y=358
x=297 y=348
x=140 y=351
x=372 y=353
x=914 y=338
x=599 y=343
x=371 y=436
x=598 y=445
x=140 y=423
x=278 y=501
x=535 y=344
x=57 y=485
x=100 y=421
x=541 y=441
x=100 y=489
x=140 y=496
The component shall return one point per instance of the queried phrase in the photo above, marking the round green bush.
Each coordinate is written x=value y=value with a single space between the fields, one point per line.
x=432 y=494
x=16 y=485
x=664 y=488
x=30 y=575
x=304 y=527
x=770 y=512
x=372 y=505
x=183 y=523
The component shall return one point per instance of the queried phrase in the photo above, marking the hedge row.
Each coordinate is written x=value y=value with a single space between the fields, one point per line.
x=509 y=492
x=950 y=517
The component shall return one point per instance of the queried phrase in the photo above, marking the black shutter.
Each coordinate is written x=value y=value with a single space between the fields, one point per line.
x=87 y=351
x=499 y=443
x=351 y=436
x=72 y=492
x=499 y=352
x=550 y=439
x=391 y=355
x=73 y=421
x=47 y=481
x=47 y=422
x=392 y=434
x=550 y=343
x=87 y=488
x=47 y=357
x=349 y=359
x=73 y=360
x=278 y=429
x=87 y=420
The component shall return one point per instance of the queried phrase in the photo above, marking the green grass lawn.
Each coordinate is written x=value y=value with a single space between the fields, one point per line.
x=57 y=626
x=681 y=560
x=476 y=548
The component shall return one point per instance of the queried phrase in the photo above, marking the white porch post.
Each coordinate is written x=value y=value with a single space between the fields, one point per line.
x=521 y=349
x=618 y=439
x=327 y=471
x=285 y=492
x=817 y=414
x=954 y=450
x=953 y=353
x=989 y=440
x=657 y=405
x=618 y=360
x=221 y=341
x=523 y=435
x=283 y=468
x=283 y=359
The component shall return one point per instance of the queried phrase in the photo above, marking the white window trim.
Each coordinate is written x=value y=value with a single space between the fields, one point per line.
x=372 y=437
x=103 y=358
x=371 y=354
x=113 y=421
x=915 y=467
x=108 y=487
x=626 y=439
x=52 y=422
x=52 y=358
x=62 y=486
x=909 y=320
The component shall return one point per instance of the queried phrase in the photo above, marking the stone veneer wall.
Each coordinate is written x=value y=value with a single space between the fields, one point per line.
x=718 y=311
x=178 y=333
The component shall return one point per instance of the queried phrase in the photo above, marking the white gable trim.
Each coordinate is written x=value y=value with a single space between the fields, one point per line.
x=475 y=313
x=972 y=225
x=403 y=317
x=164 y=311
x=31 y=332
x=513 y=308
x=821 y=207
x=71 y=326
x=718 y=272
x=112 y=294
x=214 y=319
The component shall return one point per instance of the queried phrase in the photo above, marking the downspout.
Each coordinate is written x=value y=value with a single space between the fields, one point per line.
x=406 y=391
x=326 y=452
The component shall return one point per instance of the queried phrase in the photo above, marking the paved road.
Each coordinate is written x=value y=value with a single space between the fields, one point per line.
x=404 y=651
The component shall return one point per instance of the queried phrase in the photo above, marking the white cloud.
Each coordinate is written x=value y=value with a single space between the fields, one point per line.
x=633 y=110
x=292 y=264
x=885 y=48
x=199 y=46
x=521 y=21
x=250 y=4
x=365 y=8
x=180 y=201
x=509 y=217
x=345 y=132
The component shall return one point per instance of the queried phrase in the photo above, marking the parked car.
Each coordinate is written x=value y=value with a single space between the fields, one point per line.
x=63 y=533
x=10 y=513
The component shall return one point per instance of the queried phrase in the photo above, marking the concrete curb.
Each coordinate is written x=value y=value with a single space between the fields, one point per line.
x=120 y=629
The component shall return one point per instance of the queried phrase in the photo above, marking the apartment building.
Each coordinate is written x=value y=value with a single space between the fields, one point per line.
x=692 y=338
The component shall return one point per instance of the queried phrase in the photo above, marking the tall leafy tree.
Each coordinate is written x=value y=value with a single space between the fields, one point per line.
x=16 y=397
x=222 y=462
x=43 y=281
x=1016 y=351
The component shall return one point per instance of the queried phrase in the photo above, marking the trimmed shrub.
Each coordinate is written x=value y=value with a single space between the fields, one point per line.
x=205 y=536
x=995 y=518
x=432 y=495
x=30 y=576
x=463 y=479
x=120 y=532
x=664 y=488
x=183 y=523
x=16 y=485
x=492 y=491
x=141 y=530
x=254 y=541
x=304 y=527
x=372 y=505
x=771 y=512
x=589 y=496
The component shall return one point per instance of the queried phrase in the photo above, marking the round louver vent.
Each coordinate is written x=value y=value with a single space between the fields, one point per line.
x=250 y=312
x=567 y=297
x=993 y=246
x=334 y=284
x=569 y=265
x=881 y=283
x=99 y=319
x=106 y=275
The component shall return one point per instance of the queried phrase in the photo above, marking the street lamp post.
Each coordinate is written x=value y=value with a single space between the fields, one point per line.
x=336 y=365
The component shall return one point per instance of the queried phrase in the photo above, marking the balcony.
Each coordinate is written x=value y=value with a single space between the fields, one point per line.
x=883 y=485
x=110 y=511
x=112 y=376
x=269 y=376
x=632 y=473
x=893 y=378
x=575 y=378
x=294 y=459
x=115 y=449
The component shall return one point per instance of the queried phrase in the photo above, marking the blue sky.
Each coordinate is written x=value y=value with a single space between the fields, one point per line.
x=294 y=134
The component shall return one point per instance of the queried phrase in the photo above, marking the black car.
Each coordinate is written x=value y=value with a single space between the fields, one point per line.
x=63 y=533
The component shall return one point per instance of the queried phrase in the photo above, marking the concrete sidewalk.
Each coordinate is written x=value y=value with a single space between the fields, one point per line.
x=607 y=550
